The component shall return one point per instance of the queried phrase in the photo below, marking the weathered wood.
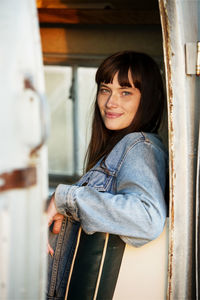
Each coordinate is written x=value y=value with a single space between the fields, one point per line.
x=66 y=4
x=98 y=16
x=83 y=4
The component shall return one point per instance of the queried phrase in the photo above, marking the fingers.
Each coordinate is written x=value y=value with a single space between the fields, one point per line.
x=57 y=219
x=50 y=221
x=57 y=226
x=50 y=250
x=57 y=222
x=51 y=211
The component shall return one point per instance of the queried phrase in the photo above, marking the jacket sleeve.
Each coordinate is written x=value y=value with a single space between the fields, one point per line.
x=136 y=212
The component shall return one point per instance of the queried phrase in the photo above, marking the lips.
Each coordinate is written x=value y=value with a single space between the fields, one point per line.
x=112 y=115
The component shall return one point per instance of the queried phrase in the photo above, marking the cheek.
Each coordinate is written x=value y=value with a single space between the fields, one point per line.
x=137 y=106
x=137 y=103
x=99 y=105
x=99 y=102
x=134 y=107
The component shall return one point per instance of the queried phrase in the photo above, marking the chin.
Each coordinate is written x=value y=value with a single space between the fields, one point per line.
x=114 y=128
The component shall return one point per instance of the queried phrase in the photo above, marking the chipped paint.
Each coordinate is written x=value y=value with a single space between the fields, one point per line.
x=168 y=54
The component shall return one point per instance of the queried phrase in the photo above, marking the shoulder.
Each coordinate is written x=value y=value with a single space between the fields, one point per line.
x=142 y=146
x=135 y=145
x=140 y=140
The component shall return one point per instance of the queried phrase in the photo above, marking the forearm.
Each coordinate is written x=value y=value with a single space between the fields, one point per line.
x=139 y=217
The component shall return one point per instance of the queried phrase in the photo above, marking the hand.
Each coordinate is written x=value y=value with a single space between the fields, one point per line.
x=53 y=216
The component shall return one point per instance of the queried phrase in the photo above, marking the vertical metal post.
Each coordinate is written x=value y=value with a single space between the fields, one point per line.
x=179 y=21
x=75 y=118
x=197 y=246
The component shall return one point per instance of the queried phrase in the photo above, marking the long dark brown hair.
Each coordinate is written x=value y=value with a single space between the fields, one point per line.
x=147 y=78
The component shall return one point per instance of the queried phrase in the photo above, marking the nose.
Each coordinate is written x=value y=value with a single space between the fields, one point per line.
x=112 y=101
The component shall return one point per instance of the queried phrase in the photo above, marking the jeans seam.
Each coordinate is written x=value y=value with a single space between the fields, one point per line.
x=70 y=257
x=57 y=259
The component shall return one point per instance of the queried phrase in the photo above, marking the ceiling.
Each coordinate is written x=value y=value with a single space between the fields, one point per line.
x=98 y=12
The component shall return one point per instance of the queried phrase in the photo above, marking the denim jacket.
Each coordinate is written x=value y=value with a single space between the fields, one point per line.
x=123 y=195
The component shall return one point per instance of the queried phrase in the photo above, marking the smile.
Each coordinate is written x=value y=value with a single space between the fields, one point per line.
x=111 y=115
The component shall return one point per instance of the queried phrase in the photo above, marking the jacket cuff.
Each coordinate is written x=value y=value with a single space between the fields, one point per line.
x=65 y=201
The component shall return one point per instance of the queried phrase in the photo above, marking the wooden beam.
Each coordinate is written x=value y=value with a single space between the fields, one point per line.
x=98 y=16
x=61 y=44
x=72 y=5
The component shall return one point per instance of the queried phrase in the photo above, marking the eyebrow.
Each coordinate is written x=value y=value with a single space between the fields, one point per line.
x=103 y=84
x=121 y=87
x=126 y=87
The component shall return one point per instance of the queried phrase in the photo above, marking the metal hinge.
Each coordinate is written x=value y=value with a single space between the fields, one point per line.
x=192 y=58
x=20 y=178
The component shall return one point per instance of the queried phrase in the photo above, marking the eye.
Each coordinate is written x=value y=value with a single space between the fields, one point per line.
x=104 y=91
x=126 y=93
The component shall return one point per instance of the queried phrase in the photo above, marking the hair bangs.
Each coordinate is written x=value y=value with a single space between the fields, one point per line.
x=106 y=74
x=123 y=76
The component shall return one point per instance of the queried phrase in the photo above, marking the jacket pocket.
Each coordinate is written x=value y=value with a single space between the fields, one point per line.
x=97 y=178
x=100 y=180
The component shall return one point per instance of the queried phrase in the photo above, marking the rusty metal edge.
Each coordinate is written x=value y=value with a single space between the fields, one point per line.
x=168 y=54
x=18 y=179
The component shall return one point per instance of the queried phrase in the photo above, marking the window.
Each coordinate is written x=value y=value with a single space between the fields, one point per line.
x=70 y=92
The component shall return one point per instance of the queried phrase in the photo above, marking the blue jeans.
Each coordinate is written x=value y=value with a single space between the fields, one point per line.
x=63 y=245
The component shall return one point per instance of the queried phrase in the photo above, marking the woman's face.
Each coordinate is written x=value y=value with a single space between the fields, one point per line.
x=118 y=104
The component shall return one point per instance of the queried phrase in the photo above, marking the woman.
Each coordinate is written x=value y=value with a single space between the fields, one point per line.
x=122 y=191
